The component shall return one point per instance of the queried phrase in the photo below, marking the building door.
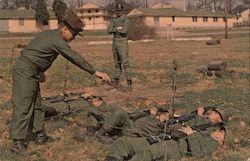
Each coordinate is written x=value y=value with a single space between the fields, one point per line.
x=4 y=26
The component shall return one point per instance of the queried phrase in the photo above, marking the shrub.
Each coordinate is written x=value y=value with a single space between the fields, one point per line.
x=138 y=29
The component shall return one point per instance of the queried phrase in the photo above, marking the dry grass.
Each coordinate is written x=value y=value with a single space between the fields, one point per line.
x=151 y=64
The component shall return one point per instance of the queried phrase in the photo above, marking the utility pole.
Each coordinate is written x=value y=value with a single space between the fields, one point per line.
x=226 y=11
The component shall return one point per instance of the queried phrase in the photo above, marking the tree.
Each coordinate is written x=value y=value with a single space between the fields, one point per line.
x=42 y=14
x=4 y=4
x=210 y=5
x=59 y=7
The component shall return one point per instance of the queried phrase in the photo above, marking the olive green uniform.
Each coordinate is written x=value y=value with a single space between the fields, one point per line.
x=138 y=149
x=197 y=145
x=28 y=113
x=120 y=45
x=97 y=115
x=144 y=126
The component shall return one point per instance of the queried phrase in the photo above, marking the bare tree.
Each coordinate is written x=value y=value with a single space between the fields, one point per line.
x=210 y=5
x=4 y=4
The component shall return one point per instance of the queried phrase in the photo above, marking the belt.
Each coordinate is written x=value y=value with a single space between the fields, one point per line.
x=27 y=61
x=120 y=36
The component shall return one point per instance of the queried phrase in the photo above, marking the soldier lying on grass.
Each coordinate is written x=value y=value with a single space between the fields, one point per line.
x=193 y=144
x=206 y=130
x=110 y=120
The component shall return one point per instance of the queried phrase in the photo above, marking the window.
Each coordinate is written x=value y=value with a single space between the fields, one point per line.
x=194 y=19
x=204 y=19
x=21 y=21
x=97 y=17
x=173 y=18
x=224 y=19
x=96 y=11
x=89 y=11
x=156 y=18
x=90 y=18
x=215 y=19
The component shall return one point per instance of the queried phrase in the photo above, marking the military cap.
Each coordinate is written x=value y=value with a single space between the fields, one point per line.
x=74 y=23
x=224 y=115
x=119 y=6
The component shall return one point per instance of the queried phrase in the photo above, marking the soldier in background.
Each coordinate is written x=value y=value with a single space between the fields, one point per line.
x=119 y=28
x=38 y=56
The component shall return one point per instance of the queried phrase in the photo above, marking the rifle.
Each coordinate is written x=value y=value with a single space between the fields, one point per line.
x=176 y=135
x=186 y=117
x=66 y=113
x=172 y=109
x=138 y=114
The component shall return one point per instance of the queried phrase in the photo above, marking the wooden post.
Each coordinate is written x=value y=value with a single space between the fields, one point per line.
x=66 y=76
x=226 y=11
x=11 y=61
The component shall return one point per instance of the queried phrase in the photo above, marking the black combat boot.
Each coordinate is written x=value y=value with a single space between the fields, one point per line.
x=43 y=138
x=108 y=158
x=91 y=130
x=19 y=147
x=86 y=136
x=100 y=132
x=103 y=136
x=116 y=82
x=129 y=83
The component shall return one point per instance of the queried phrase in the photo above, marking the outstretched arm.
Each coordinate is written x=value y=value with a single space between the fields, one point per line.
x=64 y=49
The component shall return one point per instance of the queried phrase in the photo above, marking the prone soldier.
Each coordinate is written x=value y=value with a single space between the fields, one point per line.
x=192 y=143
x=144 y=126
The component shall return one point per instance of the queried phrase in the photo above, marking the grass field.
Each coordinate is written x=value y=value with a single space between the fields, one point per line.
x=151 y=64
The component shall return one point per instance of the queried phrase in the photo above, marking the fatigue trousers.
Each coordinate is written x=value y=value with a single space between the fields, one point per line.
x=95 y=117
x=120 y=54
x=28 y=112
x=128 y=148
x=120 y=119
x=164 y=150
x=139 y=149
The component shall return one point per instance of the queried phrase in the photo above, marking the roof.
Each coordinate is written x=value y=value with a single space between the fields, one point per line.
x=174 y=12
x=16 y=14
x=91 y=5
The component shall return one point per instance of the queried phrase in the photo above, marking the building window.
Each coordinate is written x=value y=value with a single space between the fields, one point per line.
x=21 y=22
x=97 y=17
x=173 y=18
x=96 y=11
x=224 y=19
x=156 y=19
x=90 y=18
x=215 y=19
x=194 y=19
x=204 y=19
x=89 y=11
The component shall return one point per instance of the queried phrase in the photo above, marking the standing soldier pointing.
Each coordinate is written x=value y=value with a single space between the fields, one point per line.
x=37 y=57
x=119 y=28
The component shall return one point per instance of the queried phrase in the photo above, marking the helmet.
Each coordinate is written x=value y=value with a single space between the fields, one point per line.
x=119 y=6
x=224 y=115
